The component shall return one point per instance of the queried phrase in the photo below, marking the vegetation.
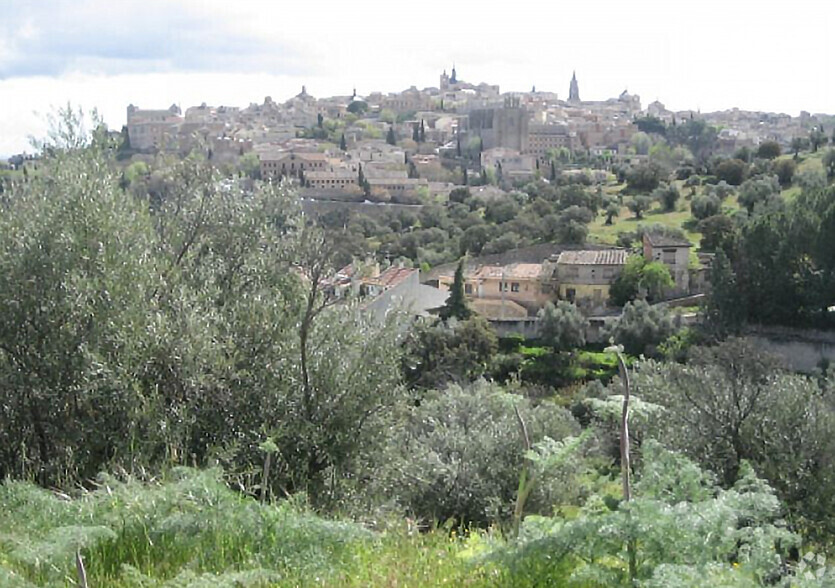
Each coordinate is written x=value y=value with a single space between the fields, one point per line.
x=178 y=327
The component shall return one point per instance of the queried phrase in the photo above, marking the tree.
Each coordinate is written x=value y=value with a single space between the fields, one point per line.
x=732 y=171
x=640 y=278
x=459 y=195
x=639 y=205
x=705 y=205
x=758 y=191
x=390 y=138
x=562 y=326
x=732 y=403
x=784 y=170
x=817 y=138
x=829 y=163
x=320 y=120
x=667 y=195
x=641 y=327
x=641 y=142
x=444 y=353
x=612 y=210
x=651 y=125
x=645 y=177
x=769 y=150
x=799 y=144
x=343 y=146
x=358 y=107
x=724 y=308
x=456 y=305
x=474 y=239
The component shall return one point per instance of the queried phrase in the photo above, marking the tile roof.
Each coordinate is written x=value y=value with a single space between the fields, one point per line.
x=513 y=270
x=392 y=276
x=599 y=257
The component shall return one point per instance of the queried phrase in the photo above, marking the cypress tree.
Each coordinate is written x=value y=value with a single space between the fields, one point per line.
x=390 y=136
x=342 y=144
x=456 y=305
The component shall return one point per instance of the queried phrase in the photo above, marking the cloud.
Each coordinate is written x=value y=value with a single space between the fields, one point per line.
x=93 y=36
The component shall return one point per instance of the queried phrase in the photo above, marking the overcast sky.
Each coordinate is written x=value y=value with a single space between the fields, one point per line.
x=708 y=54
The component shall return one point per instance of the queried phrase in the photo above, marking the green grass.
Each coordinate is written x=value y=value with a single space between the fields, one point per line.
x=194 y=531
x=600 y=232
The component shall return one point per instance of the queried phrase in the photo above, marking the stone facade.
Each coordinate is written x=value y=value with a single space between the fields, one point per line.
x=675 y=254
x=585 y=277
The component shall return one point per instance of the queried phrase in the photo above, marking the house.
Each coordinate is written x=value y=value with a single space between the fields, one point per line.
x=396 y=288
x=675 y=254
x=585 y=276
x=522 y=284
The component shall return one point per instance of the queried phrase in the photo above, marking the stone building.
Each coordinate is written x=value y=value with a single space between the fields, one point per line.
x=501 y=127
x=153 y=129
x=675 y=254
x=279 y=164
x=585 y=277
x=545 y=137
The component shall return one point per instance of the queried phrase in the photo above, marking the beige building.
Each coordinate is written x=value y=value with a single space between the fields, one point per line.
x=278 y=164
x=153 y=129
x=585 y=277
x=332 y=179
x=523 y=284
x=545 y=137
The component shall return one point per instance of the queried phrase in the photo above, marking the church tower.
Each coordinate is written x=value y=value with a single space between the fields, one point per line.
x=453 y=78
x=574 y=89
x=444 y=82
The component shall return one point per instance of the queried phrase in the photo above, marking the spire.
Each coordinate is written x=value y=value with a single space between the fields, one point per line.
x=453 y=79
x=574 y=89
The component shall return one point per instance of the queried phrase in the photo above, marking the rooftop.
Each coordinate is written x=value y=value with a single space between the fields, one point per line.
x=587 y=257
x=392 y=276
x=513 y=270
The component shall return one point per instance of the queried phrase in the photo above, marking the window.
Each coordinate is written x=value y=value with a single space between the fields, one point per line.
x=514 y=286
x=468 y=288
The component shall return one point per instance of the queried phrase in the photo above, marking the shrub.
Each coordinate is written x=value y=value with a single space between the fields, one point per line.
x=641 y=327
x=459 y=454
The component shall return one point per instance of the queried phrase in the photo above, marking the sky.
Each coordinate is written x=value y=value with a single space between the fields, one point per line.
x=105 y=54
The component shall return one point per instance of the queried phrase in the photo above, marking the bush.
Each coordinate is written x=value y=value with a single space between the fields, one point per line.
x=784 y=169
x=668 y=196
x=459 y=454
x=704 y=206
x=562 y=326
x=732 y=171
x=641 y=328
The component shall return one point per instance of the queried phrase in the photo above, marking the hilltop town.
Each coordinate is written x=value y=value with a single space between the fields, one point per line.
x=422 y=142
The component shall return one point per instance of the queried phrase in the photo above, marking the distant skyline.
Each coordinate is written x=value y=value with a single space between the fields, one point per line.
x=706 y=55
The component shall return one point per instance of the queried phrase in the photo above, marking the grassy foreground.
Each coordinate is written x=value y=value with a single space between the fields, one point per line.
x=192 y=531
